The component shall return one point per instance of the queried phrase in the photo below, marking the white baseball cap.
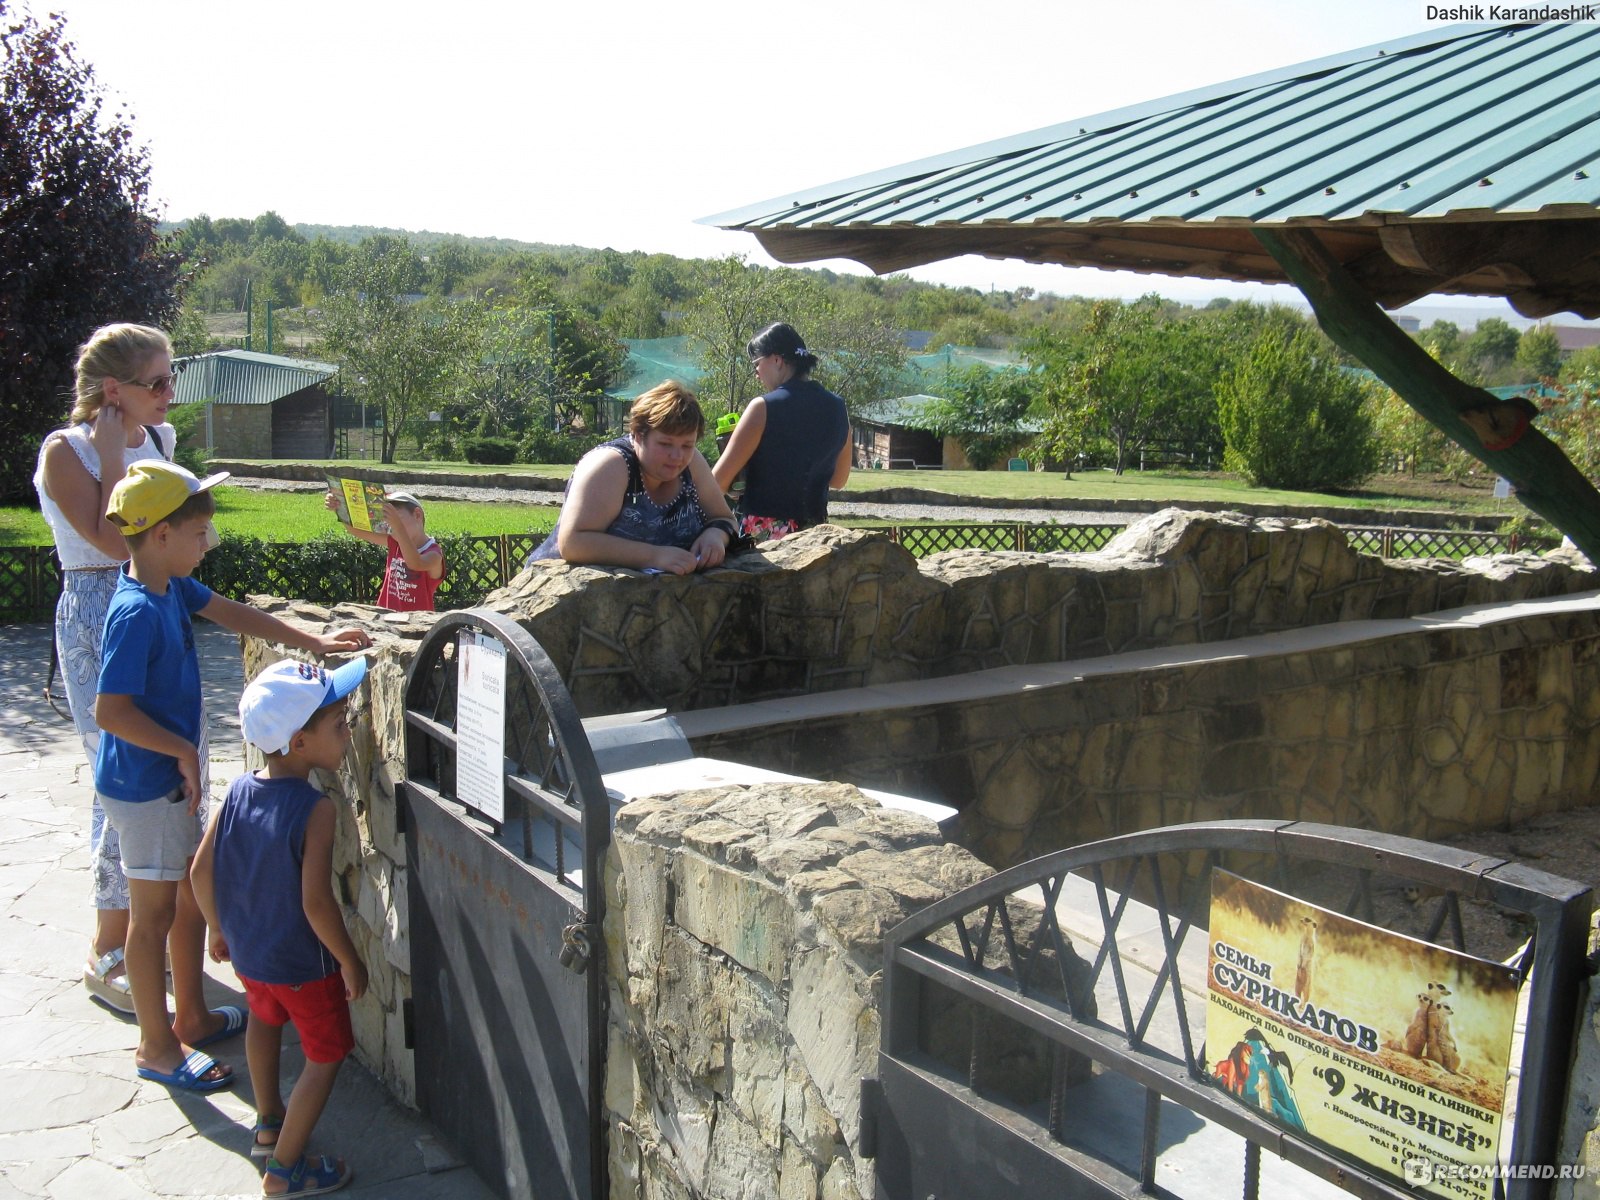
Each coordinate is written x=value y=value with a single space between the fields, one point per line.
x=278 y=702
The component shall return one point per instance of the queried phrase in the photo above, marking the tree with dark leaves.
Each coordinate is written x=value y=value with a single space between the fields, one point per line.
x=78 y=244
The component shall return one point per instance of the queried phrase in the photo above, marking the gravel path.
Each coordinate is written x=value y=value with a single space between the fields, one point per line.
x=950 y=513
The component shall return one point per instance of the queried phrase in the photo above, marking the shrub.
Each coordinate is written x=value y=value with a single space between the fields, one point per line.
x=336 y=568
x=548 y=446
x=1293 y=419
x=492 y=450
x=185 y=418
x=329 y=569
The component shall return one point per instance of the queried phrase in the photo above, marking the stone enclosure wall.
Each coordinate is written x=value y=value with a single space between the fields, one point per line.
x=744 y=930
x=832 y=608
x=1427 y=735
x=744 y=942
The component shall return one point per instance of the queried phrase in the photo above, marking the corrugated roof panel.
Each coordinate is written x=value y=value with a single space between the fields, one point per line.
x=1271 y=150
x=245 y=377
x=1400 y=134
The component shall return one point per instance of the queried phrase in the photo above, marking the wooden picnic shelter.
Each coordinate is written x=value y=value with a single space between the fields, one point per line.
x=1463 y=161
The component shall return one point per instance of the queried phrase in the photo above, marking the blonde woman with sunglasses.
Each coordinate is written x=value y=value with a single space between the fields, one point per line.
x=124 y=386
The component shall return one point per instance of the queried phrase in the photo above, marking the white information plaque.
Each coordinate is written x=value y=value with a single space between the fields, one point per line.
x=481 y=724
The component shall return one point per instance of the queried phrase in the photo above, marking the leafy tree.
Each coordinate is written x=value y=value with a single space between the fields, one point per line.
x=1539 y=353
x=539 y=363
x=863 y=355
x=78 y=241
x=736 y=301
x=450 y=263
x=983 y=410
x=1493 y=344
x=189 y=334
x=402 y=358
x=1293 y=418
x=1442 y=339
x=1131 y=376
x=578 y=360
x=1572 y=421
x=1582 y=369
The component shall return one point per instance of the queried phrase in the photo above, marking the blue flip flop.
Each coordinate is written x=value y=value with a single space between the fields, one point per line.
x=233 y=1018
x=189 y=1075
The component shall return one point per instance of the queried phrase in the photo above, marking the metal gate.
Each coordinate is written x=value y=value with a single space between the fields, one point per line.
x=944 y=1119
x=507 y=1013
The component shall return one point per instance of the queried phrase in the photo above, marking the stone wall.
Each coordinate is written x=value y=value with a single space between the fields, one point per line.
x=832 y=608
x=242 y=429
x=1425 y=734
x=744 y=942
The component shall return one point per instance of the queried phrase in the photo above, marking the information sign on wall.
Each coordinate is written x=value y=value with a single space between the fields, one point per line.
x=1389 y=1049
x=481 y=724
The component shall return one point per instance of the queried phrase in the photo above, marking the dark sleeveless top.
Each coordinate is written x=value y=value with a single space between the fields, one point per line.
x=642 y=519
x=787 y=476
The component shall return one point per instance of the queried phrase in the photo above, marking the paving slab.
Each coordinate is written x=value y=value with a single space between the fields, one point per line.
x=77 y=1121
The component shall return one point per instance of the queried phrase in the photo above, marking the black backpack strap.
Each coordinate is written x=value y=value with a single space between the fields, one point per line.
x=150 y=432
x=55 y=651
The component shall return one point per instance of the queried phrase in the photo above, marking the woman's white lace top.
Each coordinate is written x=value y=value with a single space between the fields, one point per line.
x=75 y=549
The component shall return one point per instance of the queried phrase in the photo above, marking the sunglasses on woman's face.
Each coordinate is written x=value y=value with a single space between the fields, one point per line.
x=159 y=384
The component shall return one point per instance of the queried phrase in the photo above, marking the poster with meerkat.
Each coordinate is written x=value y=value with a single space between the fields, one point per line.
x=1391 y=1050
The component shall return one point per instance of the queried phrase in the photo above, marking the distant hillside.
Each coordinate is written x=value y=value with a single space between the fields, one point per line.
x=423 y=239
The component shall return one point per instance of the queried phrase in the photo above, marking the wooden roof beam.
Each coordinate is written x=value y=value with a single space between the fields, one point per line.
x=1494 y=432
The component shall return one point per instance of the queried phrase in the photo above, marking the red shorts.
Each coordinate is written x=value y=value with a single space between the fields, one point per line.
x=320 y=1013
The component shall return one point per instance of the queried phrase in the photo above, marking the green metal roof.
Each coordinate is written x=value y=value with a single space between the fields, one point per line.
x=244 y=377
x=1468 y=124
x=904 y=411
x=911 y=412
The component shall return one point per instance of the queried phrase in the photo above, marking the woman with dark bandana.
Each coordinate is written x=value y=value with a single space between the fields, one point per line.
x=792 y=442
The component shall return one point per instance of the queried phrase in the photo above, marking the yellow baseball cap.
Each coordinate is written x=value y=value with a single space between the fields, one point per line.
x=152 y=491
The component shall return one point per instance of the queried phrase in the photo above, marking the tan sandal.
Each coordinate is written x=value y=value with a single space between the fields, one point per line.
x=111 y=990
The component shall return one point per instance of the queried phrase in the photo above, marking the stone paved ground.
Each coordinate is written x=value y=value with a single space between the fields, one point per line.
x=75 y=1121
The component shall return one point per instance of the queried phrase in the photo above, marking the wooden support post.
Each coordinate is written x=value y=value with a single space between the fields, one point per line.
x=1493 y=431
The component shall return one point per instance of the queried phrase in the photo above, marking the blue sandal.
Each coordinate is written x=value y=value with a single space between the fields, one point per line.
x=191 y=1074
x=258 y=1148
x=307 y=1177
x=233 y=1021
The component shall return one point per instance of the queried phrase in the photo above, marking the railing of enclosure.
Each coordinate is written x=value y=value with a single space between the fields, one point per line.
x=981 y=984
x=30 y=579
x=508 y=1006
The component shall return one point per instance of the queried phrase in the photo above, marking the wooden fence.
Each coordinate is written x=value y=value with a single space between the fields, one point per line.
x=331 y=571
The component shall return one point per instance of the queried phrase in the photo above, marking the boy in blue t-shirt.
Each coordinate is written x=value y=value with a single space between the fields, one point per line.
x=147 y=770
x=264 y=879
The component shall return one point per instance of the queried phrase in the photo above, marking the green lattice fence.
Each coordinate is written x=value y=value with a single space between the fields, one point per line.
x=30 y=581
x=1076 y=539
x=1391 y=542
x=923 y=540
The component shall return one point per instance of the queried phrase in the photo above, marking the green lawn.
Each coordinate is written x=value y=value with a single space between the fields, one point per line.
x=299 y=517
x=1144 y=486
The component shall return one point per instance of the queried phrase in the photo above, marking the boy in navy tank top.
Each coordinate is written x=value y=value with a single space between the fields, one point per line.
x=264 y=879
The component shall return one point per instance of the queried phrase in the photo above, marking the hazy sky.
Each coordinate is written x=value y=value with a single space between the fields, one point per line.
x=602 y=123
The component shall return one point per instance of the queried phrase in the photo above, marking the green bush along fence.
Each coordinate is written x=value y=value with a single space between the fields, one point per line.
x=331 y=570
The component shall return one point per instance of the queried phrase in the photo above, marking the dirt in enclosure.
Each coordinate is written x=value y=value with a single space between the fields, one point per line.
x=1565 y=844
x=1476 y=489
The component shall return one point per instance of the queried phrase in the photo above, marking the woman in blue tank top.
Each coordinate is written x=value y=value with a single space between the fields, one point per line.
x=647 y=500
x=793 y=443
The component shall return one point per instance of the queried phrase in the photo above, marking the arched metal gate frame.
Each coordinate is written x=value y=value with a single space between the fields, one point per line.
x=938 y=1118
x=507 y=1016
